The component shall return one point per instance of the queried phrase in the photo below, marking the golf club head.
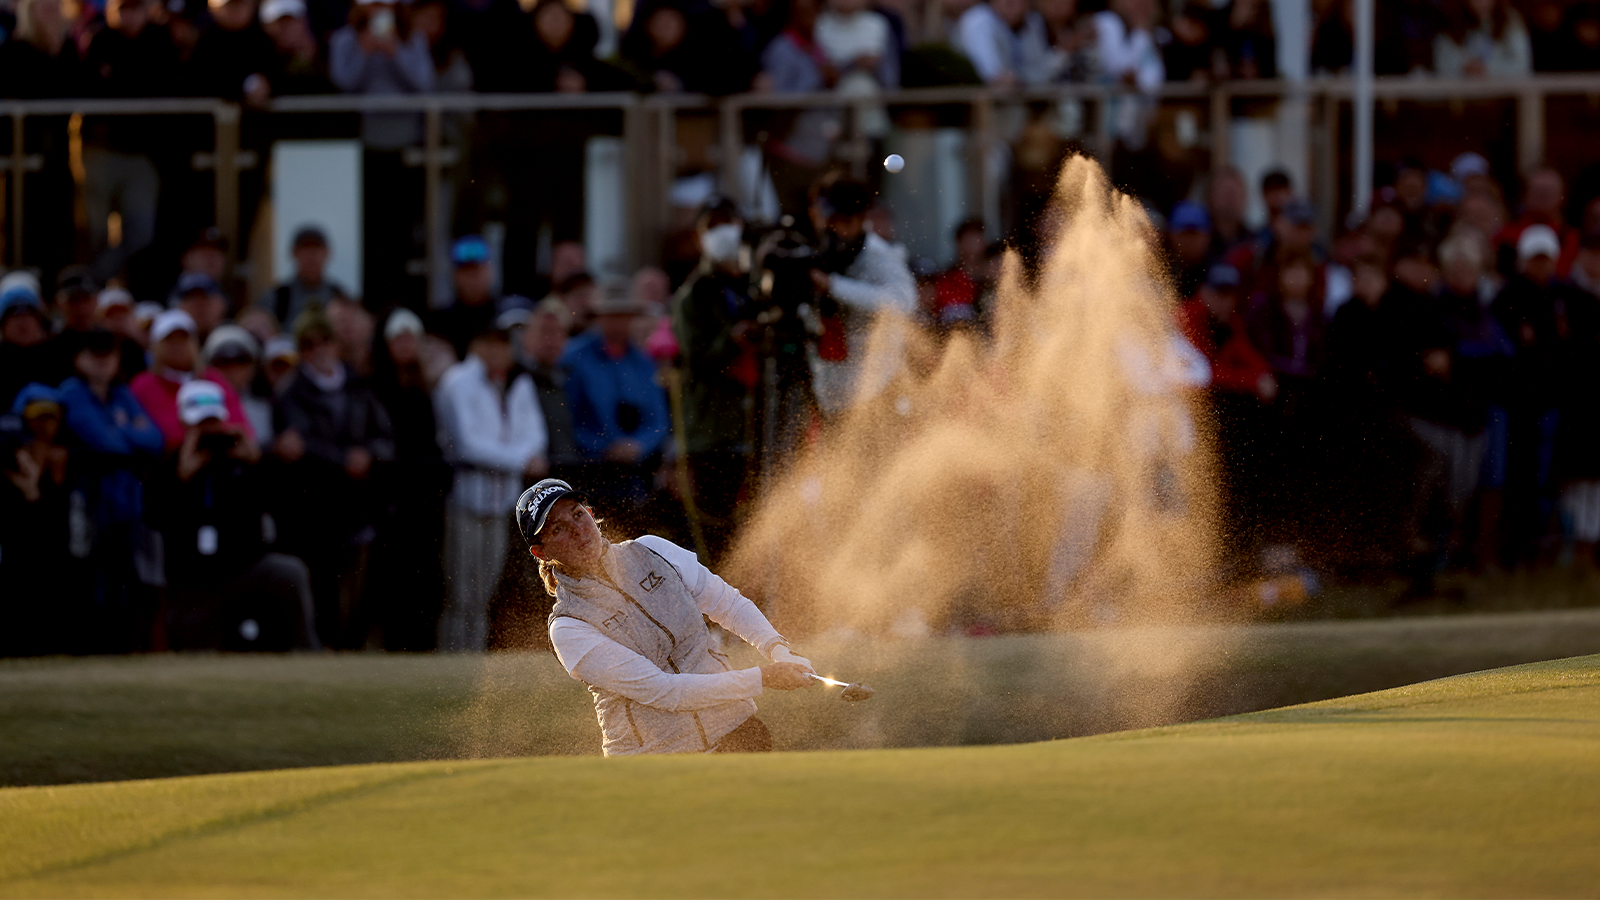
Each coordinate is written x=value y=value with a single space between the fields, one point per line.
x=854 y=692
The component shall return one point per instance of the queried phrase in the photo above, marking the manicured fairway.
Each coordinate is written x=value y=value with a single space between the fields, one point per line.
x=1478 y=785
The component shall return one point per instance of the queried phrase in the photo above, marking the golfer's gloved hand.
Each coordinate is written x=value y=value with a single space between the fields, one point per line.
x=782 y=653
x=786 y=676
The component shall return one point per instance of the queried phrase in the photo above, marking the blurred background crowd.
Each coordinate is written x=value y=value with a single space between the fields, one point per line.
x=195 y=459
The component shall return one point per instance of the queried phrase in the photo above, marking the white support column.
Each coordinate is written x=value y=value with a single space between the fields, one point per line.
x=1361 y=184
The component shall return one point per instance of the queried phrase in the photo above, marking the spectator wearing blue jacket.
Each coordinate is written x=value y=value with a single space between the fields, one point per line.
x=619 y=411
x=114 y=444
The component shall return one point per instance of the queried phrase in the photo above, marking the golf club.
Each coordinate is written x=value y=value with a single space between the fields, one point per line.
x=852 y=691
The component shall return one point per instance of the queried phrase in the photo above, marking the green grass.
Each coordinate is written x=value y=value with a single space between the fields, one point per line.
x=1474 y=786
x=68 y=720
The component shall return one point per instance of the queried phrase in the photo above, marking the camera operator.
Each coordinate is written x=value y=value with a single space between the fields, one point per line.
x=859 y=278
x=225 y=590
x=714 y=320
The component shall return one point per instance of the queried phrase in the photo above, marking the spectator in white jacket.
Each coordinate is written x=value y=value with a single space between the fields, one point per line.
x=1128 y=55
x=1007 y=43
x=493 y=431
x=863 y=281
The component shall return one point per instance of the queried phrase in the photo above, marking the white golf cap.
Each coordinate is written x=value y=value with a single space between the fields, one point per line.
x=402 y=321
x=228 y=340
x=114 y=296
x=1538 y=240
x=280 y=347
x=145 y=313
x=169 y=321
x=199 y=400
x=273 y=10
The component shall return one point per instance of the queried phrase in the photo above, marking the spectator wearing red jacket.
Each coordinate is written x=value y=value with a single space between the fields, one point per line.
x=1542 y=201
x=1211 y=321
x=1242 y=385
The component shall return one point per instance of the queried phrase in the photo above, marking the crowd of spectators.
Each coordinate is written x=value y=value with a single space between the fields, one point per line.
x=299 y=472
x=1418 y=393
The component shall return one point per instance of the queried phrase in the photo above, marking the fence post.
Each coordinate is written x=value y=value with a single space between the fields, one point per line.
x=432 y=167
x=730 y=141
x=1325 y=172
x=225 y=171
x=1530 y=128
x=979 y=148
x=1221 y=119
x=18 y=161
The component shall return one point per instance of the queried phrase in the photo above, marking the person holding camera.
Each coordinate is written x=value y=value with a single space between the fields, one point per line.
x=861 y=280
x=225 y=590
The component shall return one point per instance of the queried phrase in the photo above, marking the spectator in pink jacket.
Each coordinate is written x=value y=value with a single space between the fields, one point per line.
x=175 y=360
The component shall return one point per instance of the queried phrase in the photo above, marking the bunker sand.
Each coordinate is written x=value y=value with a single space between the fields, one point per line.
x=1477 y=785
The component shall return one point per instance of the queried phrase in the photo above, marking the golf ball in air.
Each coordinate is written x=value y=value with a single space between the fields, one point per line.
x=894 y=162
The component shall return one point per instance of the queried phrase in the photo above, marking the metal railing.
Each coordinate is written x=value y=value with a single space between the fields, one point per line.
x=650 y=147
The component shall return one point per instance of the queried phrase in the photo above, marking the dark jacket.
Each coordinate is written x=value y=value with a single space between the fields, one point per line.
x=119 y=66
x=717 y=371
x=222 y=60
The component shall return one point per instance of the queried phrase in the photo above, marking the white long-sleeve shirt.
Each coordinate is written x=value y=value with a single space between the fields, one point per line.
x=995 y=50
x=878 y=282
x=496 y=438
x=592 y=657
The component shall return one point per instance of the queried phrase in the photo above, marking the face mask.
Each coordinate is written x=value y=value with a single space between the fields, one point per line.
x=721 y=244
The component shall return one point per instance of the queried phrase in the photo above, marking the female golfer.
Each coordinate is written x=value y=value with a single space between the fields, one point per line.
x=629 y=621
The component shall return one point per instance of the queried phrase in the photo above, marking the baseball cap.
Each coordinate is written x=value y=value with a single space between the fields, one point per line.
x=169 y=321
x=1300 y=212
x=76 y=279
x=534 y=506
x=145 y=313
x=515 y=317
x=36 y=400
x=19 y=291
x=1189 y=216
x=192 y=282
x=113 y=296
x=1468 y=165
x=616 y=299
x=281 y=347
x=199 y=400
x=1222 y=275
x=230 y=342
x=468 y=250
x=845 y=198
x=402 y=321
x=1538 y=240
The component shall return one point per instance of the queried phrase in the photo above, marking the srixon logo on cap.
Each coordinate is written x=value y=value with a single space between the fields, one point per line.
x=539 y=497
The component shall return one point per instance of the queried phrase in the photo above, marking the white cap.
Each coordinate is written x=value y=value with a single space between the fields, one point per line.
x=273 y=10
x=171 y=320
x=113 y=296
x=513 y=318
x=402 y=321
x=1467 y=165
x=1538 y=240
x=230 y=335
x=280 y=347
x=21 y=281
x=199 y=400
x=146 y=312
